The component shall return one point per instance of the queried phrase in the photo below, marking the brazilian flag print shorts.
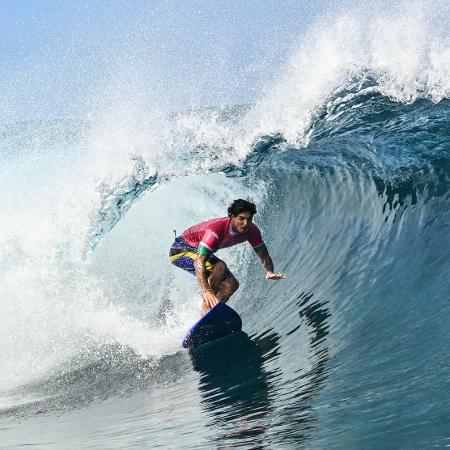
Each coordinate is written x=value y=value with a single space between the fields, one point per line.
x=184 y=255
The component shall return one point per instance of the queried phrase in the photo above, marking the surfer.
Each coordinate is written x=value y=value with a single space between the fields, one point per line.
x=194 y=250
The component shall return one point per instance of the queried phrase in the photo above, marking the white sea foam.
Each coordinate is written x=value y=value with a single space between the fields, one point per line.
x=405 y=48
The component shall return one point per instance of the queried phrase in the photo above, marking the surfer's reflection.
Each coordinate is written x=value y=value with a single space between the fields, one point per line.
x=297 y=416
x=235 y=387
x=242 y=379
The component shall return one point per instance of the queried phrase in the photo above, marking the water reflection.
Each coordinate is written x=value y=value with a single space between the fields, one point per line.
x=235 y=388
x=250 y=405
x=298 y=418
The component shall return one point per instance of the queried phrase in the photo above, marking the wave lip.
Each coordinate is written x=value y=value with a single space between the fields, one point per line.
x=404 y=51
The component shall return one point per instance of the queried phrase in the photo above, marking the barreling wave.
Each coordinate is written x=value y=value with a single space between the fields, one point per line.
x=343 y=70
x=359 y=129
x=346 y=154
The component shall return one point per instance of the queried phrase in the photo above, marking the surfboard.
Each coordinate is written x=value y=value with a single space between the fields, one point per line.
x=217 y=323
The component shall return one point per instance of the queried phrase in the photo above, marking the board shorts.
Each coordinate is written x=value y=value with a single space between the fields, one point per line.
x=183 y=255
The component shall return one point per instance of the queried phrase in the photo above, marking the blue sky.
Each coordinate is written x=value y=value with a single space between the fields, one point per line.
x=57 y=57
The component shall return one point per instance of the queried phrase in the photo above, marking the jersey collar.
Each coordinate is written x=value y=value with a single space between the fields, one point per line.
x=231 y=232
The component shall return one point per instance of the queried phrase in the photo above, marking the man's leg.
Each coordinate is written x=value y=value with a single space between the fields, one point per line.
x=222 y=282
x=227 y=288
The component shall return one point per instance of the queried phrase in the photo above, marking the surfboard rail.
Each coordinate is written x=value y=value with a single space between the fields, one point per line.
x=217 y=323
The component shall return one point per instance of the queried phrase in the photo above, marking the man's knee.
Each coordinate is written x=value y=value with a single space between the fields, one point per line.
x=227 y=288
x=220 y=266
x=233 y=283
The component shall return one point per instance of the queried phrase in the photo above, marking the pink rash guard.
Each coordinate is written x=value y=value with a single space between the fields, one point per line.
x=218 y=233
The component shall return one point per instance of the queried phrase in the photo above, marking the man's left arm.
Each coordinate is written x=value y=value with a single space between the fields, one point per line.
x=267 y=263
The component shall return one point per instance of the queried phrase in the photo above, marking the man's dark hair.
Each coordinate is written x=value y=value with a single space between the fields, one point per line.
x=239 y=206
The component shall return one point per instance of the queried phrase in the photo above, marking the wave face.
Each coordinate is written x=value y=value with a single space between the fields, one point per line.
x=348 y=159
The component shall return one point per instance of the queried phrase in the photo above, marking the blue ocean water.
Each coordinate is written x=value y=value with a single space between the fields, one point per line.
x=349 y=166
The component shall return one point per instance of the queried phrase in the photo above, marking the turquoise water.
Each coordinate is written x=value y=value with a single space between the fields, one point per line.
x=348 y=163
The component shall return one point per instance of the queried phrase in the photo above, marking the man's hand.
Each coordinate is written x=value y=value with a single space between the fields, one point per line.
x=210 y=299
x=275 y=276
x=268 y=265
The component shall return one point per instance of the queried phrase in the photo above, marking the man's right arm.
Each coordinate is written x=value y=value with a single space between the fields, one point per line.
x=202 y=278
x=200 y=272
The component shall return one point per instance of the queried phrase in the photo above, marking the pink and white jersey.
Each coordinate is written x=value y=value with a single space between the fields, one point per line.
x=218 y=233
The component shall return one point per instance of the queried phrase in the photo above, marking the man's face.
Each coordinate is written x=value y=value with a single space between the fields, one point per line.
x=241 y=223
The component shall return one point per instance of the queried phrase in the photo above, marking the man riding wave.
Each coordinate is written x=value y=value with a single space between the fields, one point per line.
x=194 y=250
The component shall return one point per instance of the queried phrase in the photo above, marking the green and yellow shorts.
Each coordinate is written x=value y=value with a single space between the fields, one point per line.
x=183 y=255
